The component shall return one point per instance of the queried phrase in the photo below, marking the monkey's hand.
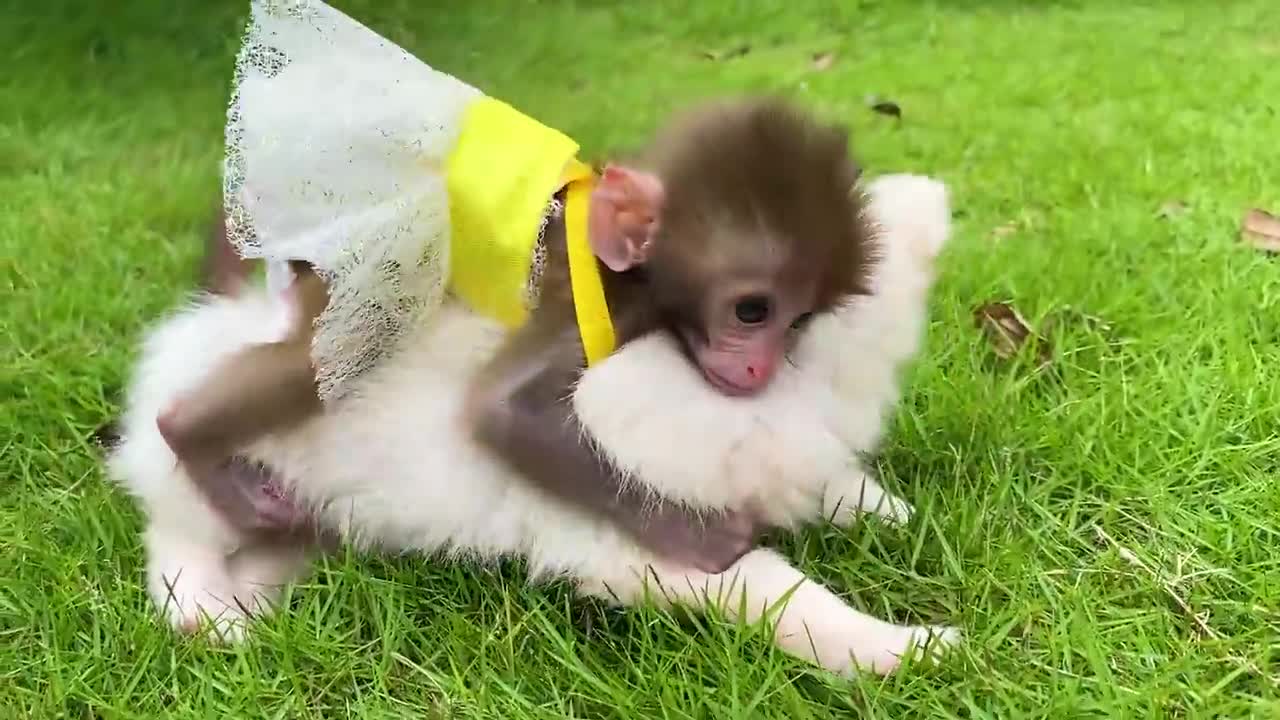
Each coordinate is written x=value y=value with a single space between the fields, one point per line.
x=711 y=543
x=519 y=411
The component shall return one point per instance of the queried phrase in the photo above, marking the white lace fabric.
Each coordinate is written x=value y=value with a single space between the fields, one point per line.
x=336 y=143
x=533 y=285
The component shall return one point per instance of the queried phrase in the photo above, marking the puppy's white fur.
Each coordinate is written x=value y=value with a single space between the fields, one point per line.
x=391 y=466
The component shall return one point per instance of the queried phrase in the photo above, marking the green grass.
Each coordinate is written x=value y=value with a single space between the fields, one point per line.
x=1104 y=530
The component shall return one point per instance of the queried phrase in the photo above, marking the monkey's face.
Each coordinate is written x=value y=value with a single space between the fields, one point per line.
x=746 y=337
x=737 y=325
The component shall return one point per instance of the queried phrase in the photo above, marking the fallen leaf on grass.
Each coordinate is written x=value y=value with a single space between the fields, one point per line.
x=99 y=48
x=1007 y=331
x=1172 y=209
x=883 y=106
x=731 y=53
x=823 y=61
x=1067 y=316
x=1261 y=230
x=107 y=436
x=888 y=107
x=1005 y=230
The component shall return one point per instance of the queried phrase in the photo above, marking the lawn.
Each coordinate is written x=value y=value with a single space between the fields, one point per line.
x=1103 y=525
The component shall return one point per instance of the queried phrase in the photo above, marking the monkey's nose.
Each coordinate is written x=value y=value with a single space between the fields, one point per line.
x=757 y=375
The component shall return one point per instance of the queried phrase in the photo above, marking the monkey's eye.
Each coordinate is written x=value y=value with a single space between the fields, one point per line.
x=752 y=310
x=801 y=321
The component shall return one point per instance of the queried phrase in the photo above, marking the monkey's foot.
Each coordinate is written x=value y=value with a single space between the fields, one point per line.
x=848 y=497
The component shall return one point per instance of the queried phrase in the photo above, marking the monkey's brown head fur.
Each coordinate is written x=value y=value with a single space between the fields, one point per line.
x=746 y=220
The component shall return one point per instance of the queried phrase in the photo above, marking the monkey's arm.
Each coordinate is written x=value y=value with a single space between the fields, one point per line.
x=224 y=271
x=520 y=409
x=261 y=389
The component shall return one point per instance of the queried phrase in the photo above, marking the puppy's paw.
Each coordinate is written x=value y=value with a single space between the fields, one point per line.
x=193 y=590
x=933 y=641
x=846 y=499
x=195 y=600
x=883 y=653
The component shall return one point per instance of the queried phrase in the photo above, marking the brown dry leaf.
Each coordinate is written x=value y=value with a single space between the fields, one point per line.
x=888 y=107
x=107 y=436
x=1007 y=331
x=731 y=53
x=1068 y=316
x=1172 y=209
x=823 y=61
x=1262 y=230
x=1005 y=230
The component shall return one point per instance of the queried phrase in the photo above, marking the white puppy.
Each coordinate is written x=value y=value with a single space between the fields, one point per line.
x=391 y=467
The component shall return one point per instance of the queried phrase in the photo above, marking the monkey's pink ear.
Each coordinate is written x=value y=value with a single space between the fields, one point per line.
x=624 y=216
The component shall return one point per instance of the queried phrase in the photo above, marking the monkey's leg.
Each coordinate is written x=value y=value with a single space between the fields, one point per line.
x=857 y=492
x=208 y=566
x=261 y=389
x=811 y=622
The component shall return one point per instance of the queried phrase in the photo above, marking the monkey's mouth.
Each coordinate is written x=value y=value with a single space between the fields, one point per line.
x=691 y=343
x=725 y=386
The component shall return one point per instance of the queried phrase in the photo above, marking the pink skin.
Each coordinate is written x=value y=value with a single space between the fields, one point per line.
x=740 y=358
x=741 y=361
x=622 y=220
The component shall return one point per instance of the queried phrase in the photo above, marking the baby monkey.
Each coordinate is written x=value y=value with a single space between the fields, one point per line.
x=738 y=223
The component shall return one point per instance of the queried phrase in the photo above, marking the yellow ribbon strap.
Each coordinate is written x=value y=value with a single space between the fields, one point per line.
x=595 y=325
x=500 y=175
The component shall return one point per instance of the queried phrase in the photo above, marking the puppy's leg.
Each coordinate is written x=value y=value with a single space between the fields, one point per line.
x=811 y=623
x=190 y=582
x=857 y=492
x=188 y=545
